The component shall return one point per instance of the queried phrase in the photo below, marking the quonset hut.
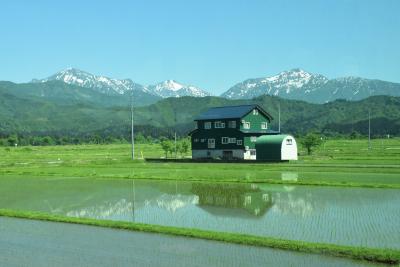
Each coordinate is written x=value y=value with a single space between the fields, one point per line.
x=276 y=148
x=232 y=132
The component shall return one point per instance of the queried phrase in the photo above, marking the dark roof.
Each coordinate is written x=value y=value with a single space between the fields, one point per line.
x=229 y=112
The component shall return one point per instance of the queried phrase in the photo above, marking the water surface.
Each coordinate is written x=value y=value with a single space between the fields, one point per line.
x=38 y=243
x=347 y=216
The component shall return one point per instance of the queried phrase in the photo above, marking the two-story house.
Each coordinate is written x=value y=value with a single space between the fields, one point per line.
x=229 y=132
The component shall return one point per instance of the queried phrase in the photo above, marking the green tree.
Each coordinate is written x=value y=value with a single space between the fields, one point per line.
x=140 y=139
x=47 y=141
x=184 y=146
x=12 y=140
x=167 y=146
x=311 y=141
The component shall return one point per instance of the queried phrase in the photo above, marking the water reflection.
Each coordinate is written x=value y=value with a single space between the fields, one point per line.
x=233 y=199
x=346 y=216
x=290 y=176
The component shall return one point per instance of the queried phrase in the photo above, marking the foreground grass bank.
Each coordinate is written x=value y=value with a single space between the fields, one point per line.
x=368 y=254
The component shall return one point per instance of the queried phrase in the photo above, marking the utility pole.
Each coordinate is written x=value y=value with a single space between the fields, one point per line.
x=369 y=129
x=132 y=133
x=279 y=117
x=175 y=132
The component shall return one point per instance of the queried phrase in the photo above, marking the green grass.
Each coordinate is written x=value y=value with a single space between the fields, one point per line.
x=337 y=163
x=369 y=254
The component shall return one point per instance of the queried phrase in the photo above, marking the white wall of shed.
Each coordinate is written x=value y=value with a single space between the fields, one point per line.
x=289 y=152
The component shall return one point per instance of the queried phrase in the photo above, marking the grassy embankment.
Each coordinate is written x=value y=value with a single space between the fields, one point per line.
x=336 y=163
x=368 y=254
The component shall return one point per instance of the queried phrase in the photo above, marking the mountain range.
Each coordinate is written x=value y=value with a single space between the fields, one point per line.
x=111 y=86
x=315 y=88
x=74 y=102
x=295 y=84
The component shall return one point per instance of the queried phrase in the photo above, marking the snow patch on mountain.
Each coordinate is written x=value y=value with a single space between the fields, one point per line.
x=106 y=85
x=171 y=88
x=284 y=83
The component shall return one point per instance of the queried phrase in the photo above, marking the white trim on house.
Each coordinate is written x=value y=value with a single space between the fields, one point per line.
x=232 y=140
x=250 y=154
x=211 y=143
x=264 y=125
x=224 y=140
x=219 y=125
x=239 y=142
x=246 y=125
x=216 y=153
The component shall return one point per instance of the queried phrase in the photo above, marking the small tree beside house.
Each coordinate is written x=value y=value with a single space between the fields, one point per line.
x=311 y=141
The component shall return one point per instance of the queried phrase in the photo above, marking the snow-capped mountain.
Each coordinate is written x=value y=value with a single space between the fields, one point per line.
x=171 y=88
x=301 y=85
x=293 y=82
x=101 y=84
x=110 y=86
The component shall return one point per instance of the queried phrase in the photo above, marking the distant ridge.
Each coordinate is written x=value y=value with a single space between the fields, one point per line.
x=111 y=86
x=315 y=88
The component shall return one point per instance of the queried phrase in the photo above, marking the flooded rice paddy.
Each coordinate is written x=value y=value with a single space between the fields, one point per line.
x=339 y=215
x=80 y=245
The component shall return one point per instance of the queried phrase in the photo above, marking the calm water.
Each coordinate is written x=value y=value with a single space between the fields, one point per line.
x=80 y=245
x=348 y=216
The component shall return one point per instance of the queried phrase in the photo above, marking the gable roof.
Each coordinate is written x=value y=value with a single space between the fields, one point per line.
x=230 y=112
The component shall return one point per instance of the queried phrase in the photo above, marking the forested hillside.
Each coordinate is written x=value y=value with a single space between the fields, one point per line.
x=25 y=111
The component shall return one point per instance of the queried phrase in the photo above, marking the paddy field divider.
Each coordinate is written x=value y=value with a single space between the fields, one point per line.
x=388 y=256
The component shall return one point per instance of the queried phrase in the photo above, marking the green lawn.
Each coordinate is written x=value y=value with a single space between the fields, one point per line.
x=337 y=162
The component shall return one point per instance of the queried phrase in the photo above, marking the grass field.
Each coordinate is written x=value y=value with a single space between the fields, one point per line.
x=337 y=162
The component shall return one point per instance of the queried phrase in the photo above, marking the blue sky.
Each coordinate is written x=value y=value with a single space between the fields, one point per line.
x=211 y=44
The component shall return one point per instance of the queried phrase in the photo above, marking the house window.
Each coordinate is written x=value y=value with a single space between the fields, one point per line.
x=252 y=152
x=225 y=140
x=232 y=140
x=196 y=125
x=207 y=125
x=246 y=125
x=219 y=124
x=239 y=142
x=289 y=142
x=263 y=125
x=255 y=111
x=211 y=143
x=203 y=140
x=253 y=139
x=232 y=124
x=196 y=140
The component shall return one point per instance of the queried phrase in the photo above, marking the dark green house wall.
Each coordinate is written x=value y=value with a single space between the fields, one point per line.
x=239 y=132
x=217 y=134
x=255 y=122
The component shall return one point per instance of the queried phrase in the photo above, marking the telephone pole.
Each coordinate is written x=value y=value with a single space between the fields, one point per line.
x=132 y=133
x=175 y=132
x=279 y=117
x=369 y=129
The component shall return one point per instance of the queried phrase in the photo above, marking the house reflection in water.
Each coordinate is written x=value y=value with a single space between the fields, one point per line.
x=233 y=200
